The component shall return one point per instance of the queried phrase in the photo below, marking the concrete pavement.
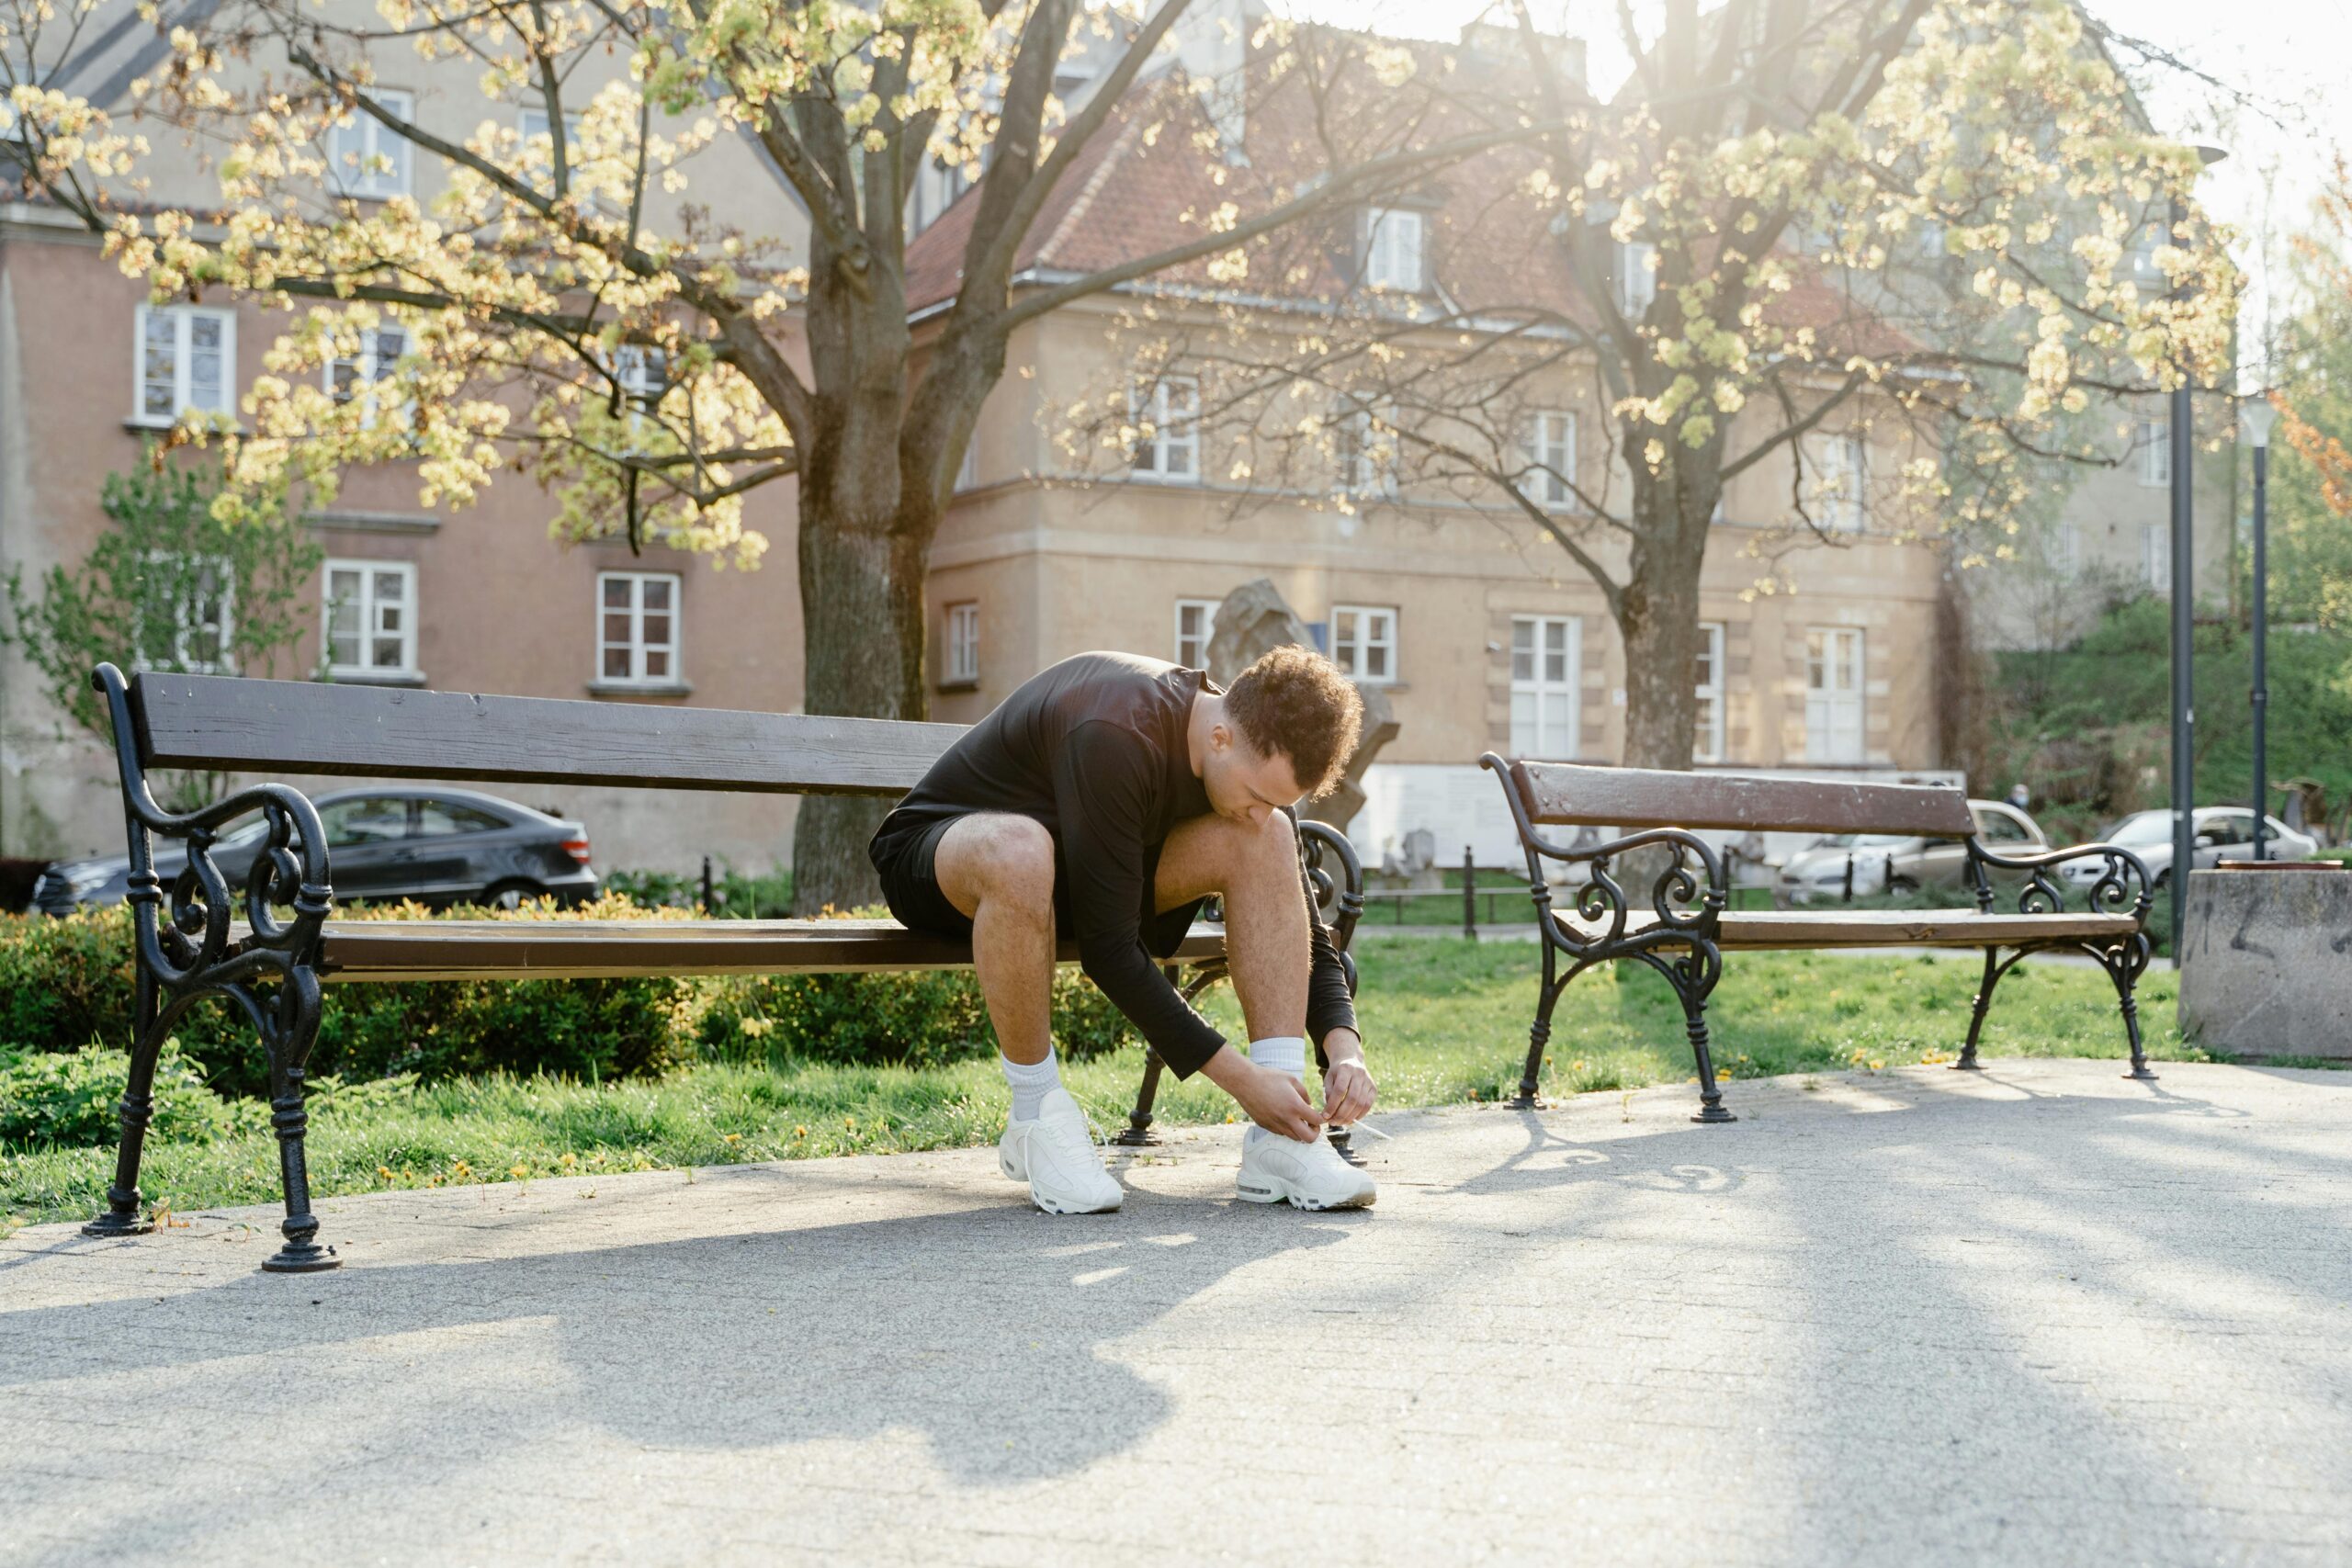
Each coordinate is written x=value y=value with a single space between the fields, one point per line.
x=2042 y=1315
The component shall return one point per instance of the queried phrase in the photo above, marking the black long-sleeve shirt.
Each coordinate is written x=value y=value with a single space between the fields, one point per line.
x=1096 y=749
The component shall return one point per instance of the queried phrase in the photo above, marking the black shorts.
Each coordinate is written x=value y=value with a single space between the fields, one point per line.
x=903 y=854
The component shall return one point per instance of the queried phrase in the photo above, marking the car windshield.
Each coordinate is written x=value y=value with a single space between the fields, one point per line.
x=2146 y=827
x=248 y=832
x=1860 y=841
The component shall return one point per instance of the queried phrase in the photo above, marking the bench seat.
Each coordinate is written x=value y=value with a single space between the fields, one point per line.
x=1766 y=930
x=581 y=949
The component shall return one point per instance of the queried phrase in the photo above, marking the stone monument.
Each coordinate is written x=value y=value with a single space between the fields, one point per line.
x=1254 y=619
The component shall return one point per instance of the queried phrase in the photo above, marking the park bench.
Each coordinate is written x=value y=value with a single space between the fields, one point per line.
x=1683 y=929
x=266 y=948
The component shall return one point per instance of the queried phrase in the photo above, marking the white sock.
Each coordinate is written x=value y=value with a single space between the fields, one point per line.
x=1031 y=1083
x=1284 y=1053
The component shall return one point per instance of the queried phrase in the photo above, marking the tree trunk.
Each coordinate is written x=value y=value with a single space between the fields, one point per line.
x=862 y=603
x=1657 y=616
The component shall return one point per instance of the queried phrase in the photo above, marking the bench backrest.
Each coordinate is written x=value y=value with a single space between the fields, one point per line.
x=1562 y=794
x=250 y=726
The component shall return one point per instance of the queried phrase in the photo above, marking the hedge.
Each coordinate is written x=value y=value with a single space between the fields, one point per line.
x=66 y=986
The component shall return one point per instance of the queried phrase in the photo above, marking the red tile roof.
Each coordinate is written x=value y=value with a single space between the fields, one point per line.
x=1149 y=178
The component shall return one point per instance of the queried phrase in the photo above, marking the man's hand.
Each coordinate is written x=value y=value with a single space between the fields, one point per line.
x=1348 y=1090
x=1274 y=1100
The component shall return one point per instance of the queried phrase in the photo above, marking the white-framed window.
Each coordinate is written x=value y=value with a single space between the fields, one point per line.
x=1708 y=744
x=1393 y=250
x=961 y=652
x=1195 y=624
x=370 y=619
x=1546 y=678
x=1363 y=642
x=2066 y=547
x=1168 y=419
x=186 y=362
x=1833 y=695
x=354 y=375
x=539 y=141
x=637 y=627
x=2152 y=441
x=1637 y=277
x=198 y=598
x=1835 y=472
x=1367 y=453
x=1551 y=459
x=365 y=157
x=2155 y=555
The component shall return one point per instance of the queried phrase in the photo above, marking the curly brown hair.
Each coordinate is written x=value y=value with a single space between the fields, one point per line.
x=1294 y=702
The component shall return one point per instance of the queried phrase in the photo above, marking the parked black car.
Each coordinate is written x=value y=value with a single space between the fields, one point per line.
x=437 y=846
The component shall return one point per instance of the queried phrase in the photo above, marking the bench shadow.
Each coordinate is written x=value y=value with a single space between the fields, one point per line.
x=983 y=1330
x=1552 y=1157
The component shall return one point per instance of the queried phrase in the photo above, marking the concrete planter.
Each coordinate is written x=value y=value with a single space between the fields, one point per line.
x=2267 y=960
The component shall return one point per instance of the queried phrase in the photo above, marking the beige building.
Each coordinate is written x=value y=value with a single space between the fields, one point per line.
x=471 y=599
x=1483 y=633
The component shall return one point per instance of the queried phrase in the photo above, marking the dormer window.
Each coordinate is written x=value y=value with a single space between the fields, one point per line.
x=1393 y=250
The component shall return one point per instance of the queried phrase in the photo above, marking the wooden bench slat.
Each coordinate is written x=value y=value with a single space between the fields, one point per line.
x=278 y=727
x=1763 y=930
x=1563 y=793
x=358 y=950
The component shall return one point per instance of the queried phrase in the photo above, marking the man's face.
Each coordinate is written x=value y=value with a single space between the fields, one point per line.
x=1242 y=786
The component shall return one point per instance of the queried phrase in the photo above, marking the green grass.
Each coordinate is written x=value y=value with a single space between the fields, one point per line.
x=1445 y=1022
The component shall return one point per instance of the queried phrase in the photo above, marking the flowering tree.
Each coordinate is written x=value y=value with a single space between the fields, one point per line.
x=571 y=302
x=1898 y=253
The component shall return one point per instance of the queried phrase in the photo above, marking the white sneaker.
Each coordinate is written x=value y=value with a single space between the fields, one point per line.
x=1054 y=1153
x=1277 y=1170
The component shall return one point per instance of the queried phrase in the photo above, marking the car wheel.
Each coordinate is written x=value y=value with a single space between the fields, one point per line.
x=1903 y=884
x=510 y=894
x=2163 y=880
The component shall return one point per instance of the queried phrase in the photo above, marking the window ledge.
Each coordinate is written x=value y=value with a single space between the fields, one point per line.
x=971 y=685
x=640 y=688
x=374 y=677
x=151 y=427
x=376 y=521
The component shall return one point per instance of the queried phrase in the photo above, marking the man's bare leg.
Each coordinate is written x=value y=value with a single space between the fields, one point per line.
x=999 y=870
x=1255 y=867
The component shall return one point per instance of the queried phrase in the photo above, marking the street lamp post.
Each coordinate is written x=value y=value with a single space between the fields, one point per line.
x=2184 y=612
x=2258 y=417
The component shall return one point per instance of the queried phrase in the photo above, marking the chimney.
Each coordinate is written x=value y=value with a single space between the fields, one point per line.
x=1212 y=43
x=1502 y=45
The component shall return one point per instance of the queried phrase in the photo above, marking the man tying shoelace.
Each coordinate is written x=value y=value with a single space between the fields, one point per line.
x=1110 y=797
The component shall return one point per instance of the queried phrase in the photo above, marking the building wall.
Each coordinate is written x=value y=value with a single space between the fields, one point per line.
x=1058 y=564
x=2099 y=548
x=500 y=608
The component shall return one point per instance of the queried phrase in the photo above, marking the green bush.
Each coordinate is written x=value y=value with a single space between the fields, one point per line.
x=68 y=1100
x=66 y=987
x=734 y=895
x=921 y=1020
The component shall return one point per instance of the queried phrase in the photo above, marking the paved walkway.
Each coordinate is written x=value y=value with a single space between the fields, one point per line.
x=2044 y=1315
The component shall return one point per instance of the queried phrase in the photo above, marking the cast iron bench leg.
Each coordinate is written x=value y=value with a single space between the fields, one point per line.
x=288 y=1036
x=2124 y=963
x=1693 y=979
x=1993 y=970
x=123 y=1216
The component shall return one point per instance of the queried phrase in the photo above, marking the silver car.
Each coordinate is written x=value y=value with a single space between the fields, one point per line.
x=2223 y=832
x=1903 y=862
